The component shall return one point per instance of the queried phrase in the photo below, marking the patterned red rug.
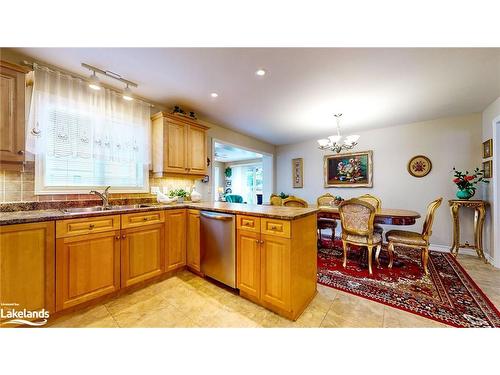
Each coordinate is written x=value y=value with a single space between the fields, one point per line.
x=447 y=295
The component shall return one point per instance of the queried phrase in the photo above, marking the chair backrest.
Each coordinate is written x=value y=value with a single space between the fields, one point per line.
x=357 y=217
x=275 y=200
x=294 y=202
x=429 y=218
x=325 y=200
x=233 y=198
x=373 y=200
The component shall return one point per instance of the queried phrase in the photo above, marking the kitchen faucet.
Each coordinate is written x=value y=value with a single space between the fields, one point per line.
x=104 y=196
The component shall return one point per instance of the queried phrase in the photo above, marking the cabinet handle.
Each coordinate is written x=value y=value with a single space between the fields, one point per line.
x=91 y=226
x=20 y=152
x=145 y=219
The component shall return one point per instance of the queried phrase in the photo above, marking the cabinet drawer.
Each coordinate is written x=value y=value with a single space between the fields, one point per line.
x=142 y=218
x=76 y=227
x=276 y=227
x=250 y=223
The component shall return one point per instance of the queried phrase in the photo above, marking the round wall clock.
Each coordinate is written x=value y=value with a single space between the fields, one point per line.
x=419 y=166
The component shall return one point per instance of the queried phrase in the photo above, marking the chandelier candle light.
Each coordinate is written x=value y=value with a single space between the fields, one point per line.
x=334 y=142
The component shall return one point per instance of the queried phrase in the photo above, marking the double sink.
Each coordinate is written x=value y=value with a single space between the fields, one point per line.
x=79 y=210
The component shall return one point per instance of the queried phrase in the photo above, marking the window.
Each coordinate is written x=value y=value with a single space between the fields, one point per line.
x=247 y=181
x=83 y=139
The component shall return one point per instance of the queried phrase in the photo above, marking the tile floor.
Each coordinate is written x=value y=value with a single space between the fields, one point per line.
x=187 y=300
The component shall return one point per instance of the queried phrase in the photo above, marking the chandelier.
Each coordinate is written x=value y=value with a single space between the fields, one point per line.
x=334 y=142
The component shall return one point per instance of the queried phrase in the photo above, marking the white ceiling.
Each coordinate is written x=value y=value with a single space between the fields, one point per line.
x=304 y=86
x=228 y=153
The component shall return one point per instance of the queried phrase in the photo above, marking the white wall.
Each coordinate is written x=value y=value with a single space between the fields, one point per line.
x=488 y=116
x=447 y=142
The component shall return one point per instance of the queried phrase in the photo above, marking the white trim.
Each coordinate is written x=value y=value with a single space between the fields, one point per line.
x=446 y=249
x=496 y=195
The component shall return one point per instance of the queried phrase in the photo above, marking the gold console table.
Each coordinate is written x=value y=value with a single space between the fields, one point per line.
x=479 y=215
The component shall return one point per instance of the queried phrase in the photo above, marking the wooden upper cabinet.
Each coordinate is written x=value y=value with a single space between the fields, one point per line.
x=27 y=266
x=12 y=114
x=179 y=145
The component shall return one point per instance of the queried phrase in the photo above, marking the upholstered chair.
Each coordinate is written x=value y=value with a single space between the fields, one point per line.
x=234 y=198
x=377 y=203
x=294 y=202
x=356 y=217
x=414 y=239
x=324 y=222
x=275 y=200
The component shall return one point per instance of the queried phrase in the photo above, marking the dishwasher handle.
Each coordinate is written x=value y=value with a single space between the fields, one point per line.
x=212 y=215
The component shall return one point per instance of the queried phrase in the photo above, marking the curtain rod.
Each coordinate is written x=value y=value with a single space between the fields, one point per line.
x=34 y=64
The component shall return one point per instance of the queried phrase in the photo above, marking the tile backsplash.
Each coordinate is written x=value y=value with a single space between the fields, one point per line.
x=18 y=186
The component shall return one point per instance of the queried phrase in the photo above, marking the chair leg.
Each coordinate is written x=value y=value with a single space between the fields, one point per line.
x=425 y=259
x=379 y=247
x=370 y=249
x=344 y=245
x=390 y=250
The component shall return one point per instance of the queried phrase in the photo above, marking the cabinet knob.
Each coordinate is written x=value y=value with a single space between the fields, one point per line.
x=261 y=242
x=91 y=226
x=123 y=236
x=20 y=152
x=145 y=218
x=117 y=237
x=257 y=241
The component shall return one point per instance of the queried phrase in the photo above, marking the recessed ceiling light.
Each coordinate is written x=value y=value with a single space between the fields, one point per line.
x=261 y=72
x=214 y=95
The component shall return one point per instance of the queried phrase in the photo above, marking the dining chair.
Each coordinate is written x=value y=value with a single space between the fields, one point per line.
x=356 y=218
x=324 y=222
x=275 y=200
x=294 y=202
x=414 y=239
x=377 y=203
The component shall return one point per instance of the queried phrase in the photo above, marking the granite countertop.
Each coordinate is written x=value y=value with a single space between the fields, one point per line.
x=274 y=212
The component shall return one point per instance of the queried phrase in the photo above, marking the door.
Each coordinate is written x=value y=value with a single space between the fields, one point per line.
x=27 y=266
x=196 y=150
x=275 y=268
x=248 y=262
x=12 y=117
x=142 y=253
x=175 y=224
x=175 y=149
x=87 y=267
x=193 y=239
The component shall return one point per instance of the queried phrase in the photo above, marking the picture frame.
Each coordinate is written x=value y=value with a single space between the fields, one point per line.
x=298 y=173
x=419 y=166
x=488 y=149
x=353 y=169
x=488 y=169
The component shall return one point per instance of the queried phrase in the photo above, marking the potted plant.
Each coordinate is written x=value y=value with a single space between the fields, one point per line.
x=228 y=172
x=181 y=194
x=466 y=182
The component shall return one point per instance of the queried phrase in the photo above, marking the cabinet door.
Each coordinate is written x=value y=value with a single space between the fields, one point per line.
x=87 y=267
x=175 y=223
x=175 y=149
x=142 y=253
x=275 y=268
x=193 y=239
x=248 y=267
x=197 y=150
x=27 y=259
x=12 y=118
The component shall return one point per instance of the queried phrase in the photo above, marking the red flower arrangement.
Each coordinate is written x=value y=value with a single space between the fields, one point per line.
x=468 y=182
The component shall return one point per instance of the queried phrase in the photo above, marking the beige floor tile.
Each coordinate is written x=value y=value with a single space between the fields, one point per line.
x=95 y=317
x=394 y=318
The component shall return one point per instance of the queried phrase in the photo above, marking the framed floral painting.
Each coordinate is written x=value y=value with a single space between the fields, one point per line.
x=419 y=166
x=354 y=169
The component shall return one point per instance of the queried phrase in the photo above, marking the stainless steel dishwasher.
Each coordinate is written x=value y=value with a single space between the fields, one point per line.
x=218 y=246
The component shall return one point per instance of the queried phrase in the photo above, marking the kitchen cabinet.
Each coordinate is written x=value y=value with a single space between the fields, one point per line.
x=12 y=115
x=87 y=267
x=276 y=262
x=193 y=240
x=179 y=145
x=175 y=234
x=27 y=272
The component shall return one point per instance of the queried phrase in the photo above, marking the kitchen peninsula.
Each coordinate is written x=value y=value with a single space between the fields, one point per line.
x=71 y=257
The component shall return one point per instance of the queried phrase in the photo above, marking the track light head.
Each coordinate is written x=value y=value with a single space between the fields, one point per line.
x=127 y=94
x=94 y=83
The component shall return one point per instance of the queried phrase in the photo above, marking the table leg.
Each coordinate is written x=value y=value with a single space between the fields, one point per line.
x=479 y=216
x=456 y=229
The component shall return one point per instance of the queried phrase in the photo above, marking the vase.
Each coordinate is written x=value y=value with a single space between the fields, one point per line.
x=465 y=194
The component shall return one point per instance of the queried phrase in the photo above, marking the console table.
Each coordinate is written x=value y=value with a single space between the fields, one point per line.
x=479 y=207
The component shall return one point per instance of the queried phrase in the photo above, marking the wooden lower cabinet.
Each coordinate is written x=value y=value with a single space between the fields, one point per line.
x=27 y=266
x=193 y=240
x=87 y=267
x=248 y=263
x=142 y=253
x=175 y=234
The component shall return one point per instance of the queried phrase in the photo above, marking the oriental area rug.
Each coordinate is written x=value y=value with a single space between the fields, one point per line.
x=448 y=295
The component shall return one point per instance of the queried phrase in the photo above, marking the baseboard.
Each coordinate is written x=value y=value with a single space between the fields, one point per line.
x=446 y=249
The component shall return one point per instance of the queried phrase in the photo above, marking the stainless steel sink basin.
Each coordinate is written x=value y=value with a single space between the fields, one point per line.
x=77 y=210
